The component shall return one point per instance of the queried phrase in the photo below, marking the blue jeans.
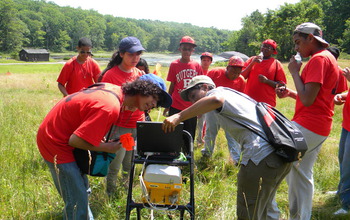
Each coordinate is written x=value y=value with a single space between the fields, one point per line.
x=344 y=165
x=73 y=186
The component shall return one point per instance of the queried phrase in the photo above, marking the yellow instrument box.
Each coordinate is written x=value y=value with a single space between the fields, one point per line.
x=163 y=184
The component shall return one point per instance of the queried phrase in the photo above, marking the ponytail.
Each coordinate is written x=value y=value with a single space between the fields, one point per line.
x=116 y=60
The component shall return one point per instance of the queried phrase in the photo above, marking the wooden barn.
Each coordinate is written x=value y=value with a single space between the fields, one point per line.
x=34 y=55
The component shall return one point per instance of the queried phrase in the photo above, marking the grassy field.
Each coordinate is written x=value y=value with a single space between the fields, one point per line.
x=28 y=92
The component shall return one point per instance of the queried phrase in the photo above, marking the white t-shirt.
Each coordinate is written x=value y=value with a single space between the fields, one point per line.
x=241 y=107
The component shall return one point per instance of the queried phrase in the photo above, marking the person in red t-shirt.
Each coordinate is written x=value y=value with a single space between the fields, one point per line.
x=80 y=71
x=122 y=69
x=264 y=73
x=342 y=84
x=181 y=71
x=316 y=88
x=143 y=65
x=226 y=77
x=206 y=60
x=81 y=120
x=344 y=150
x=343 y=153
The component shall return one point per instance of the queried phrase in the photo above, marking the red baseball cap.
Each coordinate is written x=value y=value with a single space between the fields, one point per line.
x=207 y=54
x=187 y=40
x=236 y=61
x=271 y=43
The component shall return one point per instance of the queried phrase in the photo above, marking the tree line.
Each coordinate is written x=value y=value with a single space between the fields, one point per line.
x=42 y=24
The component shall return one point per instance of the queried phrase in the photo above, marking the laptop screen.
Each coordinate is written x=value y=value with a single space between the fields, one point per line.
x=151 y=138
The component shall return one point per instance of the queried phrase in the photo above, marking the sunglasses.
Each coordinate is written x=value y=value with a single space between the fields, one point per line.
x=187 y=49
x=83 y=52
x=268 y=47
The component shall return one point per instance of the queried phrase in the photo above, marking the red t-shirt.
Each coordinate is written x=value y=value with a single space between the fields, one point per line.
x=261 y=92
x=127 y=118
x=87 y=115
x=322 y=68
x=180 y=75
x=75 y=76
x=342 y=82
x=219 y=78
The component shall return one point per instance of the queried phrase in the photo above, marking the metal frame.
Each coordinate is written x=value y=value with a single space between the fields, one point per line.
x=136 y=159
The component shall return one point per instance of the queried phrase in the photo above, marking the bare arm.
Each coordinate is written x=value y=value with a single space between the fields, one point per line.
x=307 y=92
x=283 y=92
x=200 y=107
x=78 y=142
x=245 y=73
x=273 y=84
x=62 y=89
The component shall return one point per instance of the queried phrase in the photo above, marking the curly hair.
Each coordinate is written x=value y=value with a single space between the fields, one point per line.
x=144 y=88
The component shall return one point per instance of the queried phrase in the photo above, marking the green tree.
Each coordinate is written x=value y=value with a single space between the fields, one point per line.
x=55 y=22
x=247 y=39
x=336 y=13
x=61 y=41
x=279 y=24
x=36 y=35
x=345 y=40
x=12 y=29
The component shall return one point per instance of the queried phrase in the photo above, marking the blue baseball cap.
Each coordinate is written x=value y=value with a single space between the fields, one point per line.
x=160 y=83
x=130 y=44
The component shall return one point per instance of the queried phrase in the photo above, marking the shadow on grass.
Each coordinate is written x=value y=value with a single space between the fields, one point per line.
x=324 y=210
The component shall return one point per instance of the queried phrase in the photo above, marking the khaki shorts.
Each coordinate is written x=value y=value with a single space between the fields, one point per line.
x=257 y=185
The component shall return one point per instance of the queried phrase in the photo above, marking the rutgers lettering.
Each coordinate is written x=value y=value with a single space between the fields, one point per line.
x=186 y=74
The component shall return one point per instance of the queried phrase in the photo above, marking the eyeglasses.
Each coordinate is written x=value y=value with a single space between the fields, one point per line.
x=88 y=52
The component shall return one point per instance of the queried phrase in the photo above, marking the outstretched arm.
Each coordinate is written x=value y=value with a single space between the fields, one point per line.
x=200 y=107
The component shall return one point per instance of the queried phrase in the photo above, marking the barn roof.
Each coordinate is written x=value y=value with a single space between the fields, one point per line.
x=36 y=51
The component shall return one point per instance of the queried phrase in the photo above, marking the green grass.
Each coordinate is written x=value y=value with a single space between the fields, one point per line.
x=27 y=190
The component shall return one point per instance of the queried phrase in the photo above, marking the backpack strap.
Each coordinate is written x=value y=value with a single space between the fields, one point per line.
x=245 y=125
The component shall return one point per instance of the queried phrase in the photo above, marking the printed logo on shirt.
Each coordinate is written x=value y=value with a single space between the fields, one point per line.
x=186 y=74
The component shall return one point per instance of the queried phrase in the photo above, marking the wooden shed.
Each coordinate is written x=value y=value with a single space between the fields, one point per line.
x=34 y=55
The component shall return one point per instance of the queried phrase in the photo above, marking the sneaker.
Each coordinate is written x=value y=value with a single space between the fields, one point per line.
x=332 y=192
x=340 y=212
